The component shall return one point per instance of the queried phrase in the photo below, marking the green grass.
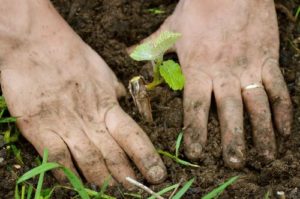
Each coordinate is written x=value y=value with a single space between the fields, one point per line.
x=156 y=11
x=176 y=156
x=41 y=193
x=297 y=13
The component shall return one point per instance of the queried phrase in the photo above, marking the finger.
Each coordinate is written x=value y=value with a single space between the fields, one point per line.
x=46 y=139
x=87 y=156
x=197 y=97
x=115 y=158
x=256 y=101
x=166 y=26
x=230 y=110
x=278 y=96
x=136 y=144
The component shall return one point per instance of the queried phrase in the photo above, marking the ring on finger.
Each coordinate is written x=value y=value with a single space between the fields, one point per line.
x=253 y=86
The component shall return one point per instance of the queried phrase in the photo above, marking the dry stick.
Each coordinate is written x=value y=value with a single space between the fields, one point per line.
x=175 y=190
x=286 y=11
x=145 y=188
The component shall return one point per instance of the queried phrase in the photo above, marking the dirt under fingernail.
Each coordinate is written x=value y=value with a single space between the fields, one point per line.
x=156 y=174
x=193 y=151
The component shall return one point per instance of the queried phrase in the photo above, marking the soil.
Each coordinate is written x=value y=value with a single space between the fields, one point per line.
x=109 y=26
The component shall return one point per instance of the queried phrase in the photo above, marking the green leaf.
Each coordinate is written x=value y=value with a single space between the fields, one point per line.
x=154 y=50
x=6 y=137
x=267 y=196
x=178 y=142
x=183 y=162
x=17 y=154
x=41 y=177
x=17 y=194
x=8 y=120
x=29 y=191
x=76 y=183
x=216 y=192
x=2 y=103
x=156 y=11
x=104 y=187
x=297 y=13
x=185 y=187
x=38 y=170
x=172 y=74
x=165 y=190
x=23 y=191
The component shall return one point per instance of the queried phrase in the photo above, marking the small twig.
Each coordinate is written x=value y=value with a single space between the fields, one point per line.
x=145 y=188
x=286 y=11
x=175 y=190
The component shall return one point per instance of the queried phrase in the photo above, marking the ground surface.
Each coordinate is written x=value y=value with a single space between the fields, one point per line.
x=111 y=25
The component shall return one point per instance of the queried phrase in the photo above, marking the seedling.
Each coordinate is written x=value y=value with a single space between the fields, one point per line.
x=167 y=71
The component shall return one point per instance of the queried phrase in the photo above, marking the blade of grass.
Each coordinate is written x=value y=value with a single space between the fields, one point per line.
x=37 y=170
x=183 y=162
x=297 y=13
x=95 y=193
x=23 y=191
x=2 y=112
x=185 y=187
x=8 y=120
x=267 y=196
x=216 y=192
x=17 y=195
x=76 y=183
x=178 y=143
x=104 y=187
x=17 y=154
x=41 y=177
x=29 y=191
x=165 y=190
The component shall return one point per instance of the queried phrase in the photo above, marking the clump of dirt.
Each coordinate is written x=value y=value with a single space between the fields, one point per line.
x=109 y=26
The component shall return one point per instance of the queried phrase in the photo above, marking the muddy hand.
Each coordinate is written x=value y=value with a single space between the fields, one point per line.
x=231 y=48
x=65 y=98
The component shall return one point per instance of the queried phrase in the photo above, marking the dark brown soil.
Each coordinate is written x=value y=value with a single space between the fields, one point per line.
x=109 y=26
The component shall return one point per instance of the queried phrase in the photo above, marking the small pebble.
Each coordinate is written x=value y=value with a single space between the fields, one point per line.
x=17 y=166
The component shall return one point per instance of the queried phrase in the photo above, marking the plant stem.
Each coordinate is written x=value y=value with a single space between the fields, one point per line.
x=157 y=79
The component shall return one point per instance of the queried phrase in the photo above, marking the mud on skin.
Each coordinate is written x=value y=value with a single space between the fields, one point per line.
x=99 y=26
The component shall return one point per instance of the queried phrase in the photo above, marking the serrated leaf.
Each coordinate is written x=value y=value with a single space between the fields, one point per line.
x=172 y=74
x=153 y=50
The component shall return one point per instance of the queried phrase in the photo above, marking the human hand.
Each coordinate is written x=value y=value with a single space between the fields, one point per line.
x=65 y=98
x=230 y=48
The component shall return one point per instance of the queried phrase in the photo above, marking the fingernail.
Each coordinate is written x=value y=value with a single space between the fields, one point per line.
x=268 y=156
x=235 y=159
x=193 y=151
x=157 y=174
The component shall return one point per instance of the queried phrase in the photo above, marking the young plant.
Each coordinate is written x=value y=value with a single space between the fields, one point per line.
x=153 y=51
x=163 y=70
